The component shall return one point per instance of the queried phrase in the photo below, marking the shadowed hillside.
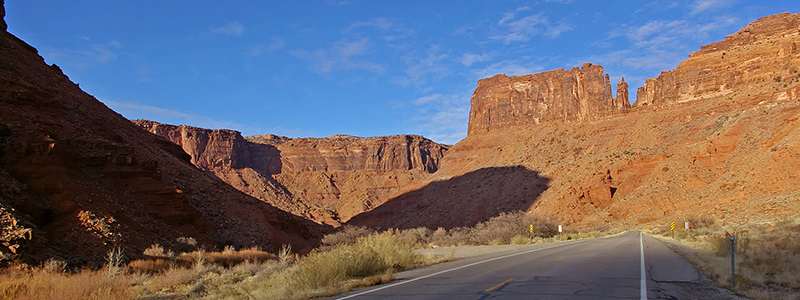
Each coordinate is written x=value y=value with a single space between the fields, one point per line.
x=460 y=201
x=77 y=179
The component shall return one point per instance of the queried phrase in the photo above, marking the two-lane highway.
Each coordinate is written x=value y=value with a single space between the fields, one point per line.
x=606 y=268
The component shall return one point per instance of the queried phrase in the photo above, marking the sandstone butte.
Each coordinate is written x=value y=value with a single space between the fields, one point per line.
x=327 y=180
x=717 y=136
x=77 y=179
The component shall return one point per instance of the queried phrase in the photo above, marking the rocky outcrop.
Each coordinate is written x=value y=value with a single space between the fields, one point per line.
x=77 y=179
x=730 y=151
x=763 y=56
x=323 y=179
x=578 y=94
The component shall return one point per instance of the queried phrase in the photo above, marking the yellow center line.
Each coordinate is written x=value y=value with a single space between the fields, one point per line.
x=560 y=258
x=498 y=285
x=584 y=249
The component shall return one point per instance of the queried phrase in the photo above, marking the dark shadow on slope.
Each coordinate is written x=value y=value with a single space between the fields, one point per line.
x=264 y=158
x=459 y=201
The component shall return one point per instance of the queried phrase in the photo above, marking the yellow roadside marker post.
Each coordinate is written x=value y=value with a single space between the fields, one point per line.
x=672 y=228
x=531 y=229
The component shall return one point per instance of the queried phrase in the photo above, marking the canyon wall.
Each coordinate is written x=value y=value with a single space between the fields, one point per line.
x=718 y=136
x=78 y=179
x=751 y=60
x=327 y=180
x=578 y=94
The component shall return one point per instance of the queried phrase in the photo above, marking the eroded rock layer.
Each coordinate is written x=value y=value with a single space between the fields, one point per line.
x=327 y=180
x=762 y=57
x=578 y=94
x=719 y=136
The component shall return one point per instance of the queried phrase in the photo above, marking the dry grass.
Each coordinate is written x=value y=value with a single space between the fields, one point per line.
x=354 y=257
x=26 y=283
x=246 y=273
x=767 y=258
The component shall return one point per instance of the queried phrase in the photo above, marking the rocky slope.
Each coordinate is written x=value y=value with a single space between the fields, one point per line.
x=327 y=180
x=717 y=136
x=76 y=178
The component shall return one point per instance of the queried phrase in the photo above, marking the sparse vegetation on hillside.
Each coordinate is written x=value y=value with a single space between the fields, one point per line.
x=767 y=257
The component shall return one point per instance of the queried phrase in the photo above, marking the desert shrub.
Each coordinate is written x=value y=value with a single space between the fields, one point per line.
x=416 y=237
x=683 y=234
x=185 y=244
x=520 y=239
x=150 y=266
x=54 y=265
x=454 y=237
x=599 y=227
x=767 y=261
x=368 y=256
x=696 y=222
x=172 y=279
x=507 y=225
x=231 y=258
x=155 y=250
x=114 y=261
x=346 y=234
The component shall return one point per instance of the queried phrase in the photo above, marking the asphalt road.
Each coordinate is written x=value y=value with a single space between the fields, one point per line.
x=629 y=266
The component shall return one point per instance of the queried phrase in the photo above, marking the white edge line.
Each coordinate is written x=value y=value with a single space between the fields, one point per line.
x=642 y=275
x=457 y=268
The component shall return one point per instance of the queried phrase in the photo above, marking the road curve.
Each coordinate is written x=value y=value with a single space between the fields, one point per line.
x=605 y=268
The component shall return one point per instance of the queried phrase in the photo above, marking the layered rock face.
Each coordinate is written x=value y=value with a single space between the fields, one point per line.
x=327 y=180
x=760 y=57
x=77 y=179
x=719 y=138
x=578 y=94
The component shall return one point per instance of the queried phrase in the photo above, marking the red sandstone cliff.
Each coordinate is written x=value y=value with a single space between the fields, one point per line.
x=327 y=180
x=578 y=94
x=762 y=57
x=77 y=179
x=718 y=136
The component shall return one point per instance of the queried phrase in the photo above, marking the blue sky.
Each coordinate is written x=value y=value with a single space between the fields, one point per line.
x=357 y=67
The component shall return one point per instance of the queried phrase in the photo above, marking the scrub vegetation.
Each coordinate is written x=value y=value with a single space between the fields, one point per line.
x=350 y=258
x=767 y=256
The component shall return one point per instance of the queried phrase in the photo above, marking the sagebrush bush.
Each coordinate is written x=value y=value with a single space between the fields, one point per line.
x=696 y=222
x=368 y=256
x=346 y=234
x=507 y=225
x=767 y=259
x=418 y=237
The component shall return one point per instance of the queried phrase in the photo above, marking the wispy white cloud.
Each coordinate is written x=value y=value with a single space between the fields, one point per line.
x=470 y=58
x=343 y=54
x=421 y=69
x=94 y=54
x=381 y=23
x=644 y=50
x=232 y=28
x=669 y=34
x=512 y=29
x=704 y=5
x=389 y=29
x=509 y=67
x=560 y=1
x=259 y=50
x=338 y=2
x=133 y=110
x=442 y=117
